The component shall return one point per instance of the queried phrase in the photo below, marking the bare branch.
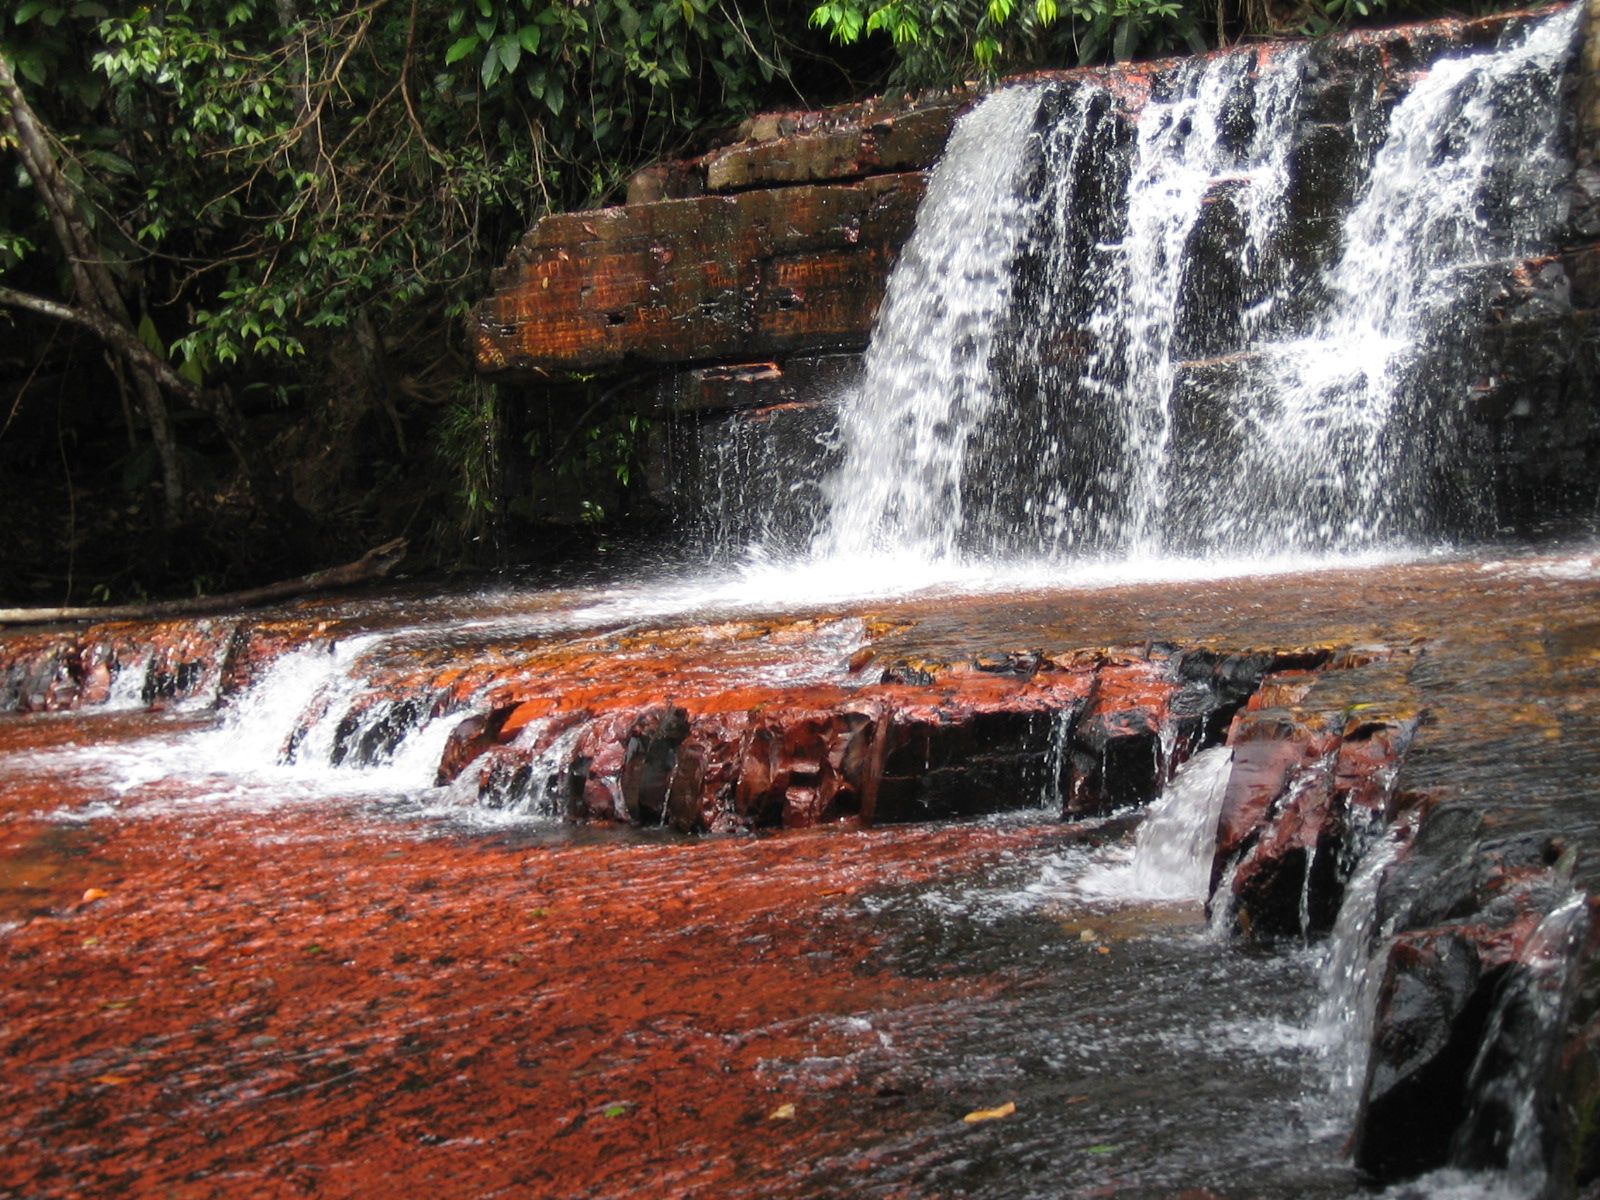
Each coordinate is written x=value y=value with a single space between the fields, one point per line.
x=115 y=335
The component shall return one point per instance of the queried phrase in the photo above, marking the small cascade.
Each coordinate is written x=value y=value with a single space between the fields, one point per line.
x=1172 y=852
x=291 y=714
x=312 y=710
x=1173 y=849
x=1057 y=762
x=1505 y=1124
x=1351 y=972
x=128 y=684
x=536 y=783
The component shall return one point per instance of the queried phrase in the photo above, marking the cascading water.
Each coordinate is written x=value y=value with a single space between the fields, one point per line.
x=1172 y=852
x=1099 y=341
x=1341 y=1028
x=1359 y=413
x=928 y=386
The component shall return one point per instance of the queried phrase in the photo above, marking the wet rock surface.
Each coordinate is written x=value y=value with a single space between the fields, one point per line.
x=758 y=273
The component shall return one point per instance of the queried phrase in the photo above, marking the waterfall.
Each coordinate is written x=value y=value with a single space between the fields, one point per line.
x=1173 y=849
x=1351 y=972
x=1109 y=337
x=1181 y=157
x=1505 y=1122
x=1358 y=411
x=928 y=385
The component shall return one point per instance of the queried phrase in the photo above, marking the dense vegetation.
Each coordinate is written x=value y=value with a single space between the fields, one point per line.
x=238 y=237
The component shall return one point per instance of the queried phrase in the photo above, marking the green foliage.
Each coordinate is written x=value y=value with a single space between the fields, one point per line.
x=941 y=41
x=944 y=41
x=258 y=172
x=468 y=445
x=265 y=169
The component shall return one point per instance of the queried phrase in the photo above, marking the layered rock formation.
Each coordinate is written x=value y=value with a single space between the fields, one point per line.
x=776 y=246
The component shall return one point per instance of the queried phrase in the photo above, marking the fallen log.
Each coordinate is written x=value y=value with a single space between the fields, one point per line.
x=374 y=564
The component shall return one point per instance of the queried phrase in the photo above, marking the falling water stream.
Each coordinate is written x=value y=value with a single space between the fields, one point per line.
x=1071 y=364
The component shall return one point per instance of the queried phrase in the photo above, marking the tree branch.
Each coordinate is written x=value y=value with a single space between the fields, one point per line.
x=96 y=289
x=373 y=565
x=113 y=333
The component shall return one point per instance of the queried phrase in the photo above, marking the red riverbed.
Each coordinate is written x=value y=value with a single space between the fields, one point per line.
x=306 y=1003
x=211 y=998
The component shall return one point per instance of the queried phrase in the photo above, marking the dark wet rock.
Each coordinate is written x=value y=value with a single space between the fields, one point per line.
x=1432 y=1008
x=469 y=739
x=960 y=759
x=649 y=760
x=1117 y=757
x=805 y=147
x=760 y=273
x=35 y=670
x=1477 y=985
x=963 y=743
x=1015 y=662
x=175 y=660
x=803 y=767
x=799 y=379
x=1573 y=1128
x=1313 y=779
x=713 y=764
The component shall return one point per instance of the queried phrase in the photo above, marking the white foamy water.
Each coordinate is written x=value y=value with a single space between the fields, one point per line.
x=1172 y=854
x=928 y=385
x=1351 y=973
x=1180 y=156
x=1140 y=358
x=1347 y=420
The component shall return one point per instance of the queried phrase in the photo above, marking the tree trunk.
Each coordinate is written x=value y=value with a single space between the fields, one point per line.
x=100 y=308
x=96 y=290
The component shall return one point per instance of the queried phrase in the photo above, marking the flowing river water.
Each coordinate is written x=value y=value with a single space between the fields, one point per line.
x=230 y=976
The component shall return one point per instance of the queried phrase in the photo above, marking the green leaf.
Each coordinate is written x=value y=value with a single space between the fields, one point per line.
x=150 y=337
x=113 y=164
x=489 y=69
x=29 y=11
x=510 y=52
x=460 y=49
x=1122 y=45
x=528 y=38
